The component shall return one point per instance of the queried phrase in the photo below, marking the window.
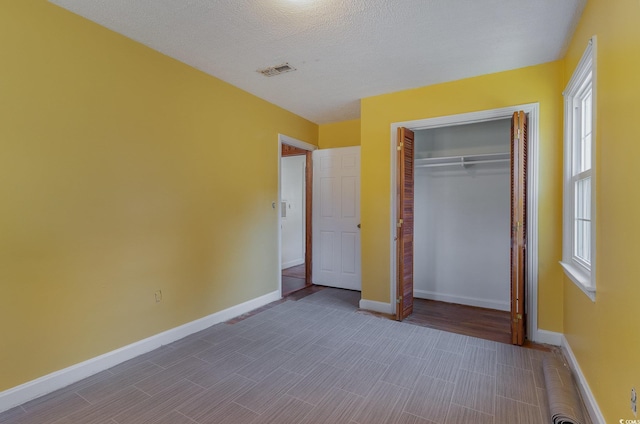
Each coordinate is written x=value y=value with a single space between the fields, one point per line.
x=578 y=256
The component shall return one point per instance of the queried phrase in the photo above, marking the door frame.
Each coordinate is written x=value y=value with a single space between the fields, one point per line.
x=290 y=141
x=533 y=112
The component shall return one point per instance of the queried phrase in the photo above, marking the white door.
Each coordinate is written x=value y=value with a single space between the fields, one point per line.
x=336 y=218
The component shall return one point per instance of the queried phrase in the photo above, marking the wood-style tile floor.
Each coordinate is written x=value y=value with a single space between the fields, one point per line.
x=310 y=359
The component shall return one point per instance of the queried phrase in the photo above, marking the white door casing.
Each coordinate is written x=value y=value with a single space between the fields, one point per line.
x=336 y=218
x=277 y=203
x=532 y=111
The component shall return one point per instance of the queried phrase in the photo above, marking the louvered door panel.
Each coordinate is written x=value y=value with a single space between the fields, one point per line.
x=404 y=305
x=518 y=225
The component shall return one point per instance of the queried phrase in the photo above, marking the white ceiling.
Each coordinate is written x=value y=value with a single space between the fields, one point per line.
x=344 y=50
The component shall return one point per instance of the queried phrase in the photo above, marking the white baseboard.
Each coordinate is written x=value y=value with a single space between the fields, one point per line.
x=372 y=305
x=295 y=262
x=548 y=337
x=62 y=378
x=463 y=300
x=585 y=390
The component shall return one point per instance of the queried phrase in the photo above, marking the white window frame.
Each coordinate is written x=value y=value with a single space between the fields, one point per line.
x=583 y=274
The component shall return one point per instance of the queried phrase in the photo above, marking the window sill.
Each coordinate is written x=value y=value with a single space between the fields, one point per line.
x=580 y=279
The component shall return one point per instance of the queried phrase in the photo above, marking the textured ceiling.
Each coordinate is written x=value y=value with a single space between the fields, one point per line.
x=344 y=50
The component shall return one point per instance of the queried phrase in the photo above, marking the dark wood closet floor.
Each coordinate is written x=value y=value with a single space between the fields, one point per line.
x=483 y=323
x=293 y=279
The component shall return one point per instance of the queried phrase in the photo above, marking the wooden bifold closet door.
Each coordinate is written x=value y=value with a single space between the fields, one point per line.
x=518 y=225
x=404 y=225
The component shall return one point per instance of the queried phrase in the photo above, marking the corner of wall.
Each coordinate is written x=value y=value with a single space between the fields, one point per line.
x=339 y=134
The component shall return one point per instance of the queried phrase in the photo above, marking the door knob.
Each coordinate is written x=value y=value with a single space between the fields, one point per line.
x=358 y=225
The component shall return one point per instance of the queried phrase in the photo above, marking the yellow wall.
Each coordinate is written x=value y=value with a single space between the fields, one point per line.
x=541 y=84
x=605 y=335
x=115 y=177
x=339 y=134
x=123 y=172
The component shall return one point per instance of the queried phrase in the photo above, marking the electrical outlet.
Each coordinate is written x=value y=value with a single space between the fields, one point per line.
x=158 y=295
x=634 y=402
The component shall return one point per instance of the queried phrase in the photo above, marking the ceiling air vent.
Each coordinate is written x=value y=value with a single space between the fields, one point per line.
x=276 y=70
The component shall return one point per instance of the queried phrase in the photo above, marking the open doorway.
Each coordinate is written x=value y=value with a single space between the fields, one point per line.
x=442 y=185
x=295 y=212
x=460 y=232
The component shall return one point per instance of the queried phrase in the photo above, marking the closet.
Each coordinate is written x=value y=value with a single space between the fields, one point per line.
x=462 y=214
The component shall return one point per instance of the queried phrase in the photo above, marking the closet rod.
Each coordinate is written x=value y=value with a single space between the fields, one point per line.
x=462 y=163
x=463 y=160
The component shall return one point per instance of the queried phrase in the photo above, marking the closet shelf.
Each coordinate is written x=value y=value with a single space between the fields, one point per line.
x=463 y=161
